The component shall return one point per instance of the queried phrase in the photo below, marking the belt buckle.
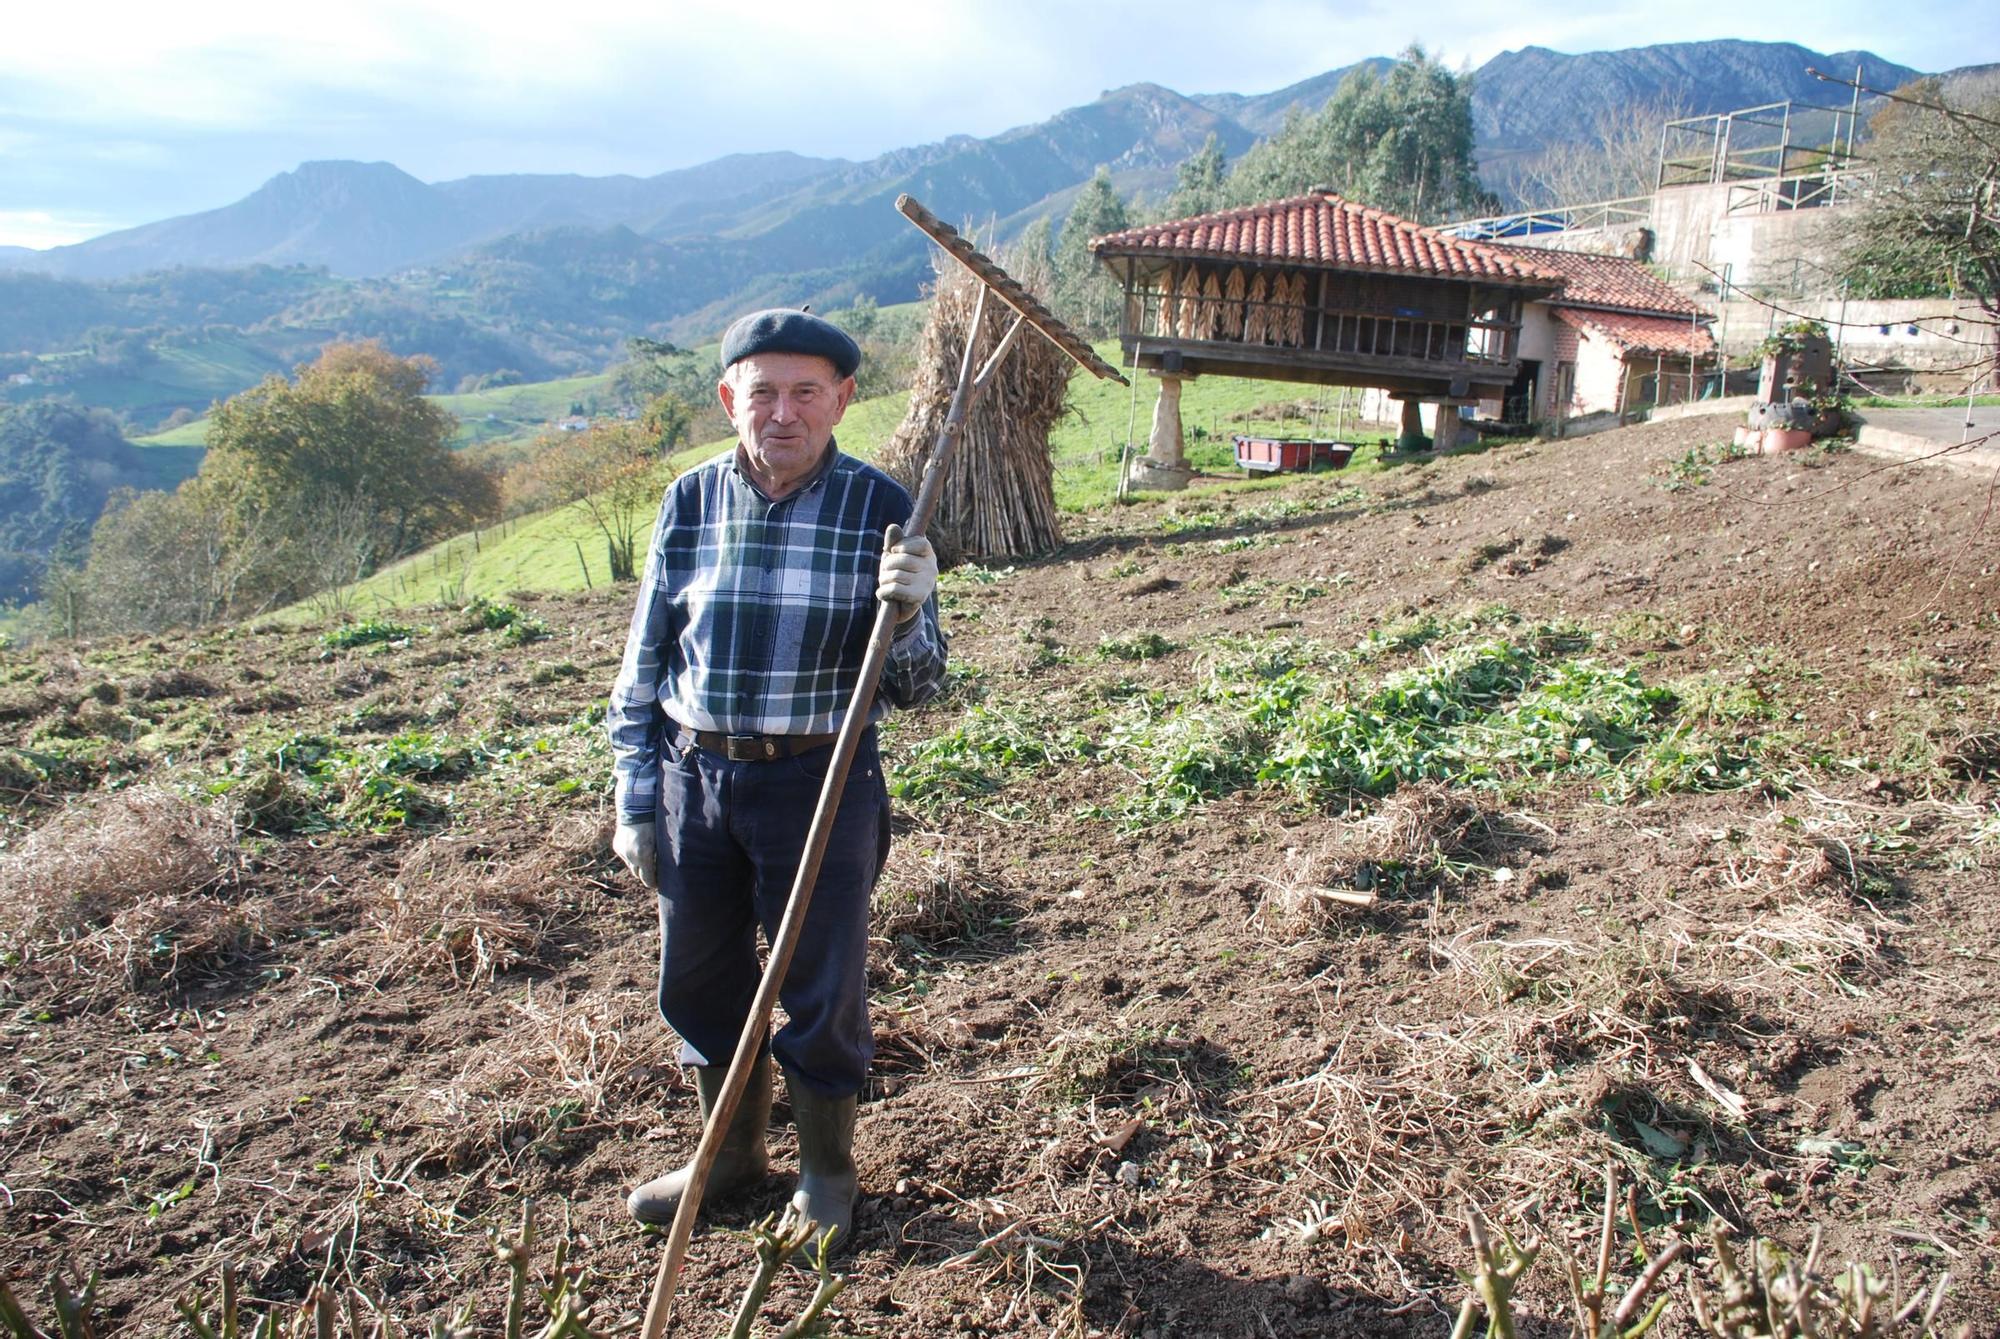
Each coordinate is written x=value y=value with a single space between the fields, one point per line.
x=749 y=748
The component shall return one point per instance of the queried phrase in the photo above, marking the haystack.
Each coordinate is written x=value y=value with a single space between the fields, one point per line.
x=999 y=499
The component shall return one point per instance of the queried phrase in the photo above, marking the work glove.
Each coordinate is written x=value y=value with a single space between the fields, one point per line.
x=633 y=844
x=909 y=572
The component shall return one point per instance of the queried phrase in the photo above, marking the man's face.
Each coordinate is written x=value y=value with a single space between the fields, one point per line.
x=784 y=407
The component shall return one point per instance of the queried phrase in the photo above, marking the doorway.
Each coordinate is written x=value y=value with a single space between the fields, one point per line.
x=1522 y=395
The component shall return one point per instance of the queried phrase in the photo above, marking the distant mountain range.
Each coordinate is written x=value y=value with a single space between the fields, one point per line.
x=555 y=271
x=372 y=219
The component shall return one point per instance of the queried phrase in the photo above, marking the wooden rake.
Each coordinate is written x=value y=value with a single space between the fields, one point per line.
x=995 y=282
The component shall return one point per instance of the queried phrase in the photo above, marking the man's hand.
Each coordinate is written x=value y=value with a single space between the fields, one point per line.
x=633 y=843
x=909 y=572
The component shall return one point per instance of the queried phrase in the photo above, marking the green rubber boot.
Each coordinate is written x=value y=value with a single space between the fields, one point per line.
x=828 y=1183
x=743 y=1160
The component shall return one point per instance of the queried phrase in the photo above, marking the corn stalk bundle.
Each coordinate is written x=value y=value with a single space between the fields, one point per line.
x=1257 y=325
x=1295 y=309
x=999 y=499
x=1211 y=307
x=1190 y=323
x=1232 y=310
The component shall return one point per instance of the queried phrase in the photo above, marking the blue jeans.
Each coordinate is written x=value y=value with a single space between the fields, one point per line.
x=730 y=837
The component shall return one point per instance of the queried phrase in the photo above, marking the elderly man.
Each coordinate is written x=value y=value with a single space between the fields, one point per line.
x=753 y=617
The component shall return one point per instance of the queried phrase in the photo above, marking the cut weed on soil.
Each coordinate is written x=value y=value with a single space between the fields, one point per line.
x=1271 y=883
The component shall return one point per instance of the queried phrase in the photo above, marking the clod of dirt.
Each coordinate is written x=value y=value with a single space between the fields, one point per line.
x=1974 y=757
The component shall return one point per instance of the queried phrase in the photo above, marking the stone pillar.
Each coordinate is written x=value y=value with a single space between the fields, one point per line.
x=1166 y=446
x=1445 y=436
x=1413 y=438
x=1164 y=465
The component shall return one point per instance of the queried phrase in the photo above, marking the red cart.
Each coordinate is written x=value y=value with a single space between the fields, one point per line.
x=1269 y=455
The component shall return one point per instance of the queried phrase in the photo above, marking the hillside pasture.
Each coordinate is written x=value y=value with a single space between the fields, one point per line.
x=175 y=375
x=1280 y=872
x=538 y=553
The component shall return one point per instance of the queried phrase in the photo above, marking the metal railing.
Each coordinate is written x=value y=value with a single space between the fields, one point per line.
x=1774 y=140
x=1558 y=218
x=1816 y=190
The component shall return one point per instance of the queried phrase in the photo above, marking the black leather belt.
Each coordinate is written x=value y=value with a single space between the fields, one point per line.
x=755 y=748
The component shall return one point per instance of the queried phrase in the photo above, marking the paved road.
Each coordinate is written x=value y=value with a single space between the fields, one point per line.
x=1908 y=433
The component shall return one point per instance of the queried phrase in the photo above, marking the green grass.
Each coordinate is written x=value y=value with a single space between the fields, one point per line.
x=193 y=434
x=524 y=410
x=191 y=376
x=1088 y=441
x=1923 y=401
x=484 y=416
x=539 y=553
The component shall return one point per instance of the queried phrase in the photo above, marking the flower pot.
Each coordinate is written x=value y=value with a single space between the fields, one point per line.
x=1786 y=439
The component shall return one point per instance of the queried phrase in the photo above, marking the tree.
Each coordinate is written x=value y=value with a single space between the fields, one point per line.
x=612 y=474
x=1401 y=141
x=653 y=368
x=164 y=560
x=1201 y=185
x=1085 y=294
x=668 y=423
x=58 y=462
x=354 y=422
x=1617 y=159
x=1930 y=223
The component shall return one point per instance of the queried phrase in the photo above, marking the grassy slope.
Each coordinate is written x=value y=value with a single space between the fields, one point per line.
x=198 y=372
x=511 y=411
x=539 y=553
x=484 y=415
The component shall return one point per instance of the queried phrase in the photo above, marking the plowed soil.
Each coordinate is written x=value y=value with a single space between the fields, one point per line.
x=1124 y=1085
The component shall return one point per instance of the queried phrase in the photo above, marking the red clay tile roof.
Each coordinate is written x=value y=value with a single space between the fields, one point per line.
x=1324 y=230
x=1607 y=281
x=1643 y=334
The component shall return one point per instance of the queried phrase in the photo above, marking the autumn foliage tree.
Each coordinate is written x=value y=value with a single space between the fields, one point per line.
x=354 y=423
x=309 y=482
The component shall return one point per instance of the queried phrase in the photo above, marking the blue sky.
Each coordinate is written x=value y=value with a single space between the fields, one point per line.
x=118 y=113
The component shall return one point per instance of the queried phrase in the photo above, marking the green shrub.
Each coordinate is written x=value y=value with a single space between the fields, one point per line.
x=366 y=631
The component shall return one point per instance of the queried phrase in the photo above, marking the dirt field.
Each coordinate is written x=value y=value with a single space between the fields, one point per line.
x=1671 y=777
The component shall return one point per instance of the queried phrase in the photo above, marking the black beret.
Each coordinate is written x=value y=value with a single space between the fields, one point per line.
x=782 y=330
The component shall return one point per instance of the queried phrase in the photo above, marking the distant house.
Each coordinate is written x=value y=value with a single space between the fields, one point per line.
x=574 y=423
x=1314 y=288
x=1613 y=340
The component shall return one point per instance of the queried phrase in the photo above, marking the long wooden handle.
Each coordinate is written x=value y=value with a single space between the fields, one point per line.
x=786 y=942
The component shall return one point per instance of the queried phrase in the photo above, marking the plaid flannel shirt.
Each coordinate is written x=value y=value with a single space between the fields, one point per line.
x=753 y=616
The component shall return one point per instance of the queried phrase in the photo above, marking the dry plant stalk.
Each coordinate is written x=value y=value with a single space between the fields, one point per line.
x=570 y=1062
x=775 y=1244
x=1418 y=828
x=999 y=499
x=1775 y=1295
x=948 y=901
x=110 y=853
x=1497 y=1267
x=566 y=1310
x=450 y=912
x=1590 y=1297
x=161 y=941
x=73 y=1311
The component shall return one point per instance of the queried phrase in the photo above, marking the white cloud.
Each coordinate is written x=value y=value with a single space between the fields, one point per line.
x=39 y=228
x=143 y=108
